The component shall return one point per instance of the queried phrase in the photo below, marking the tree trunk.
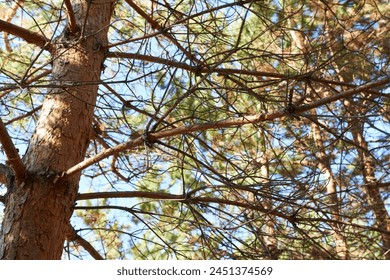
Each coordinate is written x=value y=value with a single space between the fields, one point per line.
x=38 y=210
x=370 y=186
x=331 y=188
x=270 y=239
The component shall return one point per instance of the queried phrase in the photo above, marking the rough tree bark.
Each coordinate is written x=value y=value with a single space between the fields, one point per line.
x=37 y=213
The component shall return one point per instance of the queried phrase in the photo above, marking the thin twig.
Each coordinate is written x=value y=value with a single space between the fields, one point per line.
x=155 y=25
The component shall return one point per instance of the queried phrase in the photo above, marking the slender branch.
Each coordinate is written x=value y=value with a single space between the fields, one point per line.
x=155 y=25
x=7 y=89
x=12 y=154
x=143 y=14
x=88 y=247
x=73 y=236
x=8 y=17
x=102 y=155
x=33 y=111
x=342 y=95
x=126 y=103
x=196 y=69
x=183 y=20
x=27 y=35
x=226 y=71
x=152 y=137
x=72 y=18
x=131 y=194
x=183 y=198
x=234 y=122
x=293 y=218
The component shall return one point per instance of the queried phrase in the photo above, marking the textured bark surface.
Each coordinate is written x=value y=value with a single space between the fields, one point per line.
x=38 y=210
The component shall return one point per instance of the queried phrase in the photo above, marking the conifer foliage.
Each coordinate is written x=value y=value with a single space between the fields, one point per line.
x=213 y=129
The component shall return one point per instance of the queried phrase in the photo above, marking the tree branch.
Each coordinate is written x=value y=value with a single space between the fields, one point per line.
x=183 y=198
x=7 y=89
x=131 y=194
x=197 y=69
x=227 y=71
x=73 y=236
x=12 y=154
x=72 y=19
x=234 y=122
x=25 y=34
x=155 y=25
x=8 y=17
x=342 y=95
x=33 y=111
x=293 y=218
x=152 y=137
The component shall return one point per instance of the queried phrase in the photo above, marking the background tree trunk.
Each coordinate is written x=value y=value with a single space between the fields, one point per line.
x=331 y=189
x=38 y=210
x=370 y=186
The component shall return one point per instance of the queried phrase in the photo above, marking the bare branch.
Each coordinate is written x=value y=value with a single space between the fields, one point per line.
x=183 y=198
x=142 y=13
x=342 y=95
x=227 y=71
x=196 y=69
x=234 y=122
x=7 y=89
x=12 y=154
x=72 y=19
x=33 y=111
x=152 y=137
x=8 y=17
x=131 y=194
x=182 y=19
x=73 y=236
x=293 y=218
x=157 y=26
x=25 y=34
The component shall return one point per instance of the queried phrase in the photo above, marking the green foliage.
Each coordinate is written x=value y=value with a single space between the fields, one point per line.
x=262 y=190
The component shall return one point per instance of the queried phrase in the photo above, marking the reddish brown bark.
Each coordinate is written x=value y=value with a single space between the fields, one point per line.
x=38 y=210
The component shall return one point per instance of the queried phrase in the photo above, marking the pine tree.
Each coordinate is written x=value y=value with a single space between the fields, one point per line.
x=194 y=129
